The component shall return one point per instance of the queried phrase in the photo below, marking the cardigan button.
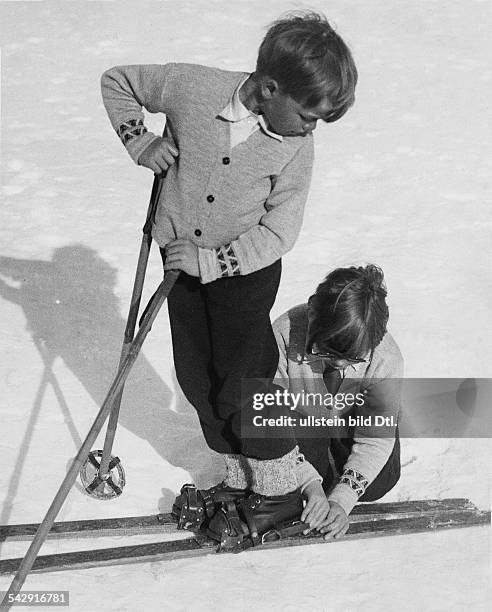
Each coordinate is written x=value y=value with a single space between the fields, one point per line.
x=226 y=161
x=198 y=232
x=210 y=198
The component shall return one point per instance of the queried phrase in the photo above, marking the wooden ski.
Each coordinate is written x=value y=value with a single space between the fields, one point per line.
x=165 y=522
x=366 y=521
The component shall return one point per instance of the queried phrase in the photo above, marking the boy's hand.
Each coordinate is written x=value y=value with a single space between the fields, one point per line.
x=182 y=255
x=317 y=507
x=159 y=155
x=336 y=524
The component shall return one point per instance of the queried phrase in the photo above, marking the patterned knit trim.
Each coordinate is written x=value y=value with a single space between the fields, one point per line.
x=355 y=480
x=131 y=129
x=227 y=258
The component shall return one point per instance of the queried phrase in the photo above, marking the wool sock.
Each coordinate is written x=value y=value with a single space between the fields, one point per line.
x=239 y=474
x=275 y=476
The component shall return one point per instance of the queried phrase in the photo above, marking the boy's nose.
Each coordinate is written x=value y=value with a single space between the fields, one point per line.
x=309 y=126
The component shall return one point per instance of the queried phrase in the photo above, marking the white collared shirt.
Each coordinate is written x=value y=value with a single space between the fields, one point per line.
x=243 y=121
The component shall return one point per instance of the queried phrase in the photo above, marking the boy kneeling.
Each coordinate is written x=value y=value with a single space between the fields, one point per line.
x=338 y=343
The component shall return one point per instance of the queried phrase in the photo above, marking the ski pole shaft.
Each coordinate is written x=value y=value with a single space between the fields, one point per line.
x=138 y=283
x=44 y=527
x=129 y=335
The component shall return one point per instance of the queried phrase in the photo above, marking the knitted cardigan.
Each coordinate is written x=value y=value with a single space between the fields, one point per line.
x=243 y=207
x=371 y=450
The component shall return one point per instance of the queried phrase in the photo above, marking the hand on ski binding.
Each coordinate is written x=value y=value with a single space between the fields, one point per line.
x=326 y=517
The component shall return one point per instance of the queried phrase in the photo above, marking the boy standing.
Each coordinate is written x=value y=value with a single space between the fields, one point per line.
x=238 y=154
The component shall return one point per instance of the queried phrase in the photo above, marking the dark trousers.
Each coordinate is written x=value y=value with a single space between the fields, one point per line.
x=316 y=452
x=221 y=334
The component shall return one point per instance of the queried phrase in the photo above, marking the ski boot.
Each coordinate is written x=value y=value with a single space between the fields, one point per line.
x=253 y=520
x=193 y=508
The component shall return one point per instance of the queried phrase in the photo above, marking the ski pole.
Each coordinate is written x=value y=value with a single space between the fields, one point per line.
x=44 y=527
x=131 y=323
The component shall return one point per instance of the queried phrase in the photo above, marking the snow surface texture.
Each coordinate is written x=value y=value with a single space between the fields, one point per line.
x=402 y=181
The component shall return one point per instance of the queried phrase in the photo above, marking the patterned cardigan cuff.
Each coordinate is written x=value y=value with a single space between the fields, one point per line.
x=228 y=262
x=351 y=486
x=355 y=480
x=131 y=129
x=217 y=263
x=134 y=135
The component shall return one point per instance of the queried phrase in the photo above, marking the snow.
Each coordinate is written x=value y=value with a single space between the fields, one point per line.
x=402 y=181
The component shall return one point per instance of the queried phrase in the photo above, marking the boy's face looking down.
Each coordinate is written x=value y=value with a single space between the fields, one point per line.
x=287 y=117
x=284 y=115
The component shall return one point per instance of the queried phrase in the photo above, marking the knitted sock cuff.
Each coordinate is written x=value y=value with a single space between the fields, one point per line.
x=275 y=476
x=239 y=474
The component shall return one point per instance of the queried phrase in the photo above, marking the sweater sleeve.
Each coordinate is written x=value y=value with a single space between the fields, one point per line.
x=366 y=460
x=128 y=89
x=372 y=445
x=278 y=229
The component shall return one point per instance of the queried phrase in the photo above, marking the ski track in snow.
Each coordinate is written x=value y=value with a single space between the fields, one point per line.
x=402 y=181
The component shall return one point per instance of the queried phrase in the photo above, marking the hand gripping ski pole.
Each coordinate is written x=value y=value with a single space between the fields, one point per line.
x=102 y=475
x=114 y=393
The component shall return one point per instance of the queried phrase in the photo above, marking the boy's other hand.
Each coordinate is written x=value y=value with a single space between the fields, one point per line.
x=317 y=507
x=159 y=155
x=182 y=255
x=336 y=524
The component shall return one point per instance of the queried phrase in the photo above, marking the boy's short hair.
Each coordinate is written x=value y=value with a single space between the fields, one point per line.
x=348 y=312
x=309 y=61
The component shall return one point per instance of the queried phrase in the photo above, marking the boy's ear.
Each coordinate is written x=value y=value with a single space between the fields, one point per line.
x=269 y=88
